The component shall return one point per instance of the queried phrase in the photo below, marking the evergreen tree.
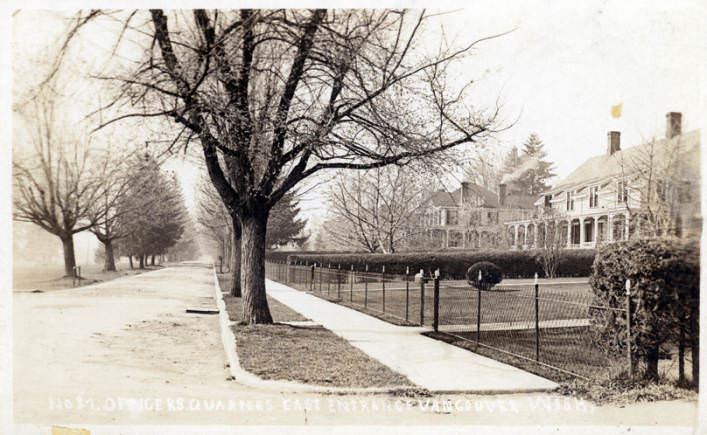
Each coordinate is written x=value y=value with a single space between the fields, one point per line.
x=536 y=176
x=154 y=212
x=283 y=225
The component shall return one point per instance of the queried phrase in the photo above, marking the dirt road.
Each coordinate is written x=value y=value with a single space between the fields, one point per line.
x=126 y=352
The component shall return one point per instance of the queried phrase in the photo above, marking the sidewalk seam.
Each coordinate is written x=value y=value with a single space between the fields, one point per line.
x=239 y=374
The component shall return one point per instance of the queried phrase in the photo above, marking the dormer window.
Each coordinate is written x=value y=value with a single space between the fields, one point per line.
x=593 y=196
x=570 y=201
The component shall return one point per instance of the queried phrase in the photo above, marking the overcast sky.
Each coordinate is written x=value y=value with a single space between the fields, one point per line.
x=560 y=71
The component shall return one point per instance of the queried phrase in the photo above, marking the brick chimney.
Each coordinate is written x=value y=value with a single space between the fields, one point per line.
x=614 y=143
x=502 y=194
x=673 y=122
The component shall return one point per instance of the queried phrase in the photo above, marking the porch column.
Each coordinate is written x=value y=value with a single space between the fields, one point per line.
x=581 y=231
x=569 y=232
x=515 y=235
x=535 y=235
x=596 y=230
x=610 y=224
x=525 y=235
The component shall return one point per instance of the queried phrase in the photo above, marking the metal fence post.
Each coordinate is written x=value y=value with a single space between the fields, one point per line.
x=628 y=328
x=365 y=288
x=537 y=322
x=338 y=278
x=407 y=291
x=422 y=297
x=311 y=279
x=383 y=275
x=478 y=311
x=435 y=318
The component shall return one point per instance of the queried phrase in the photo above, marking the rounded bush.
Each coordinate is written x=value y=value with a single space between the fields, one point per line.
x=490 y=275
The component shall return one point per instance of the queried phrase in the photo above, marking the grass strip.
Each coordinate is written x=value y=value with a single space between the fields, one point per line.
x=307 y=354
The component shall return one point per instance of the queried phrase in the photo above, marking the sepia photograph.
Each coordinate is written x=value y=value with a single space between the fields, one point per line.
x=356 y=217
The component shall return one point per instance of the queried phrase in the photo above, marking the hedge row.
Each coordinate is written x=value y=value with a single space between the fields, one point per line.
x=453 y=265
x=281 y=256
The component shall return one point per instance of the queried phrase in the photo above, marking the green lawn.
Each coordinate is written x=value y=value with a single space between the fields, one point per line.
x=401 y=301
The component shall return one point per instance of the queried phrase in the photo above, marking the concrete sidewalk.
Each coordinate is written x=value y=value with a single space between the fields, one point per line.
x=431 y=364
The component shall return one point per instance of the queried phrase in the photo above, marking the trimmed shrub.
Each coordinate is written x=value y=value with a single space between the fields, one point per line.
x=490 y=275
x=454 y=264
x=281 y=256
x=664 y=300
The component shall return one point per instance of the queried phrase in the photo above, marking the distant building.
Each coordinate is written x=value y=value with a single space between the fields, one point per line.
x=608 y=197
x=471 y=216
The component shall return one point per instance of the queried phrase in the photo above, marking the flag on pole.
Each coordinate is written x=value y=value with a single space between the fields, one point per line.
x=616 y=110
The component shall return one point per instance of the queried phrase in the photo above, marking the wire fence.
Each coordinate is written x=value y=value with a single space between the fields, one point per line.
x=397 y=298
x=549 y=325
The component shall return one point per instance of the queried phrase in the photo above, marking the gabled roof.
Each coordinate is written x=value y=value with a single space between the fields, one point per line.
x=605 y=166
x=490 y=199
x=442 y=198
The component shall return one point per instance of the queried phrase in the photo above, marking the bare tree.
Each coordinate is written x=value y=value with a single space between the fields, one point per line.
x=55 y=184
x=485 y=168
x=656 y=183
x=115 y=181
x=275 y=96
x=551 y=250
x=215 y=219
x=375 y=207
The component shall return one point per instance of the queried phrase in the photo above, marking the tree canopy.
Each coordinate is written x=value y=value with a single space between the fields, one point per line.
x=274 y=96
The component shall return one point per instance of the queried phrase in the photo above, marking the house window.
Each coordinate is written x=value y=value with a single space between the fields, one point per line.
x=570 y=201
x=492 y=217
x=452 y=217
x=621 y=191
x=548 y=198
x=594 y=196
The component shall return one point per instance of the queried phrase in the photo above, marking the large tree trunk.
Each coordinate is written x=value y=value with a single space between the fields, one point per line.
x=69 y=256
x=130 y=257
x=235 y=258
x=255 y=304
x=109 y=265
x=142 y=261
x=695 y=338
x=152 y=260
